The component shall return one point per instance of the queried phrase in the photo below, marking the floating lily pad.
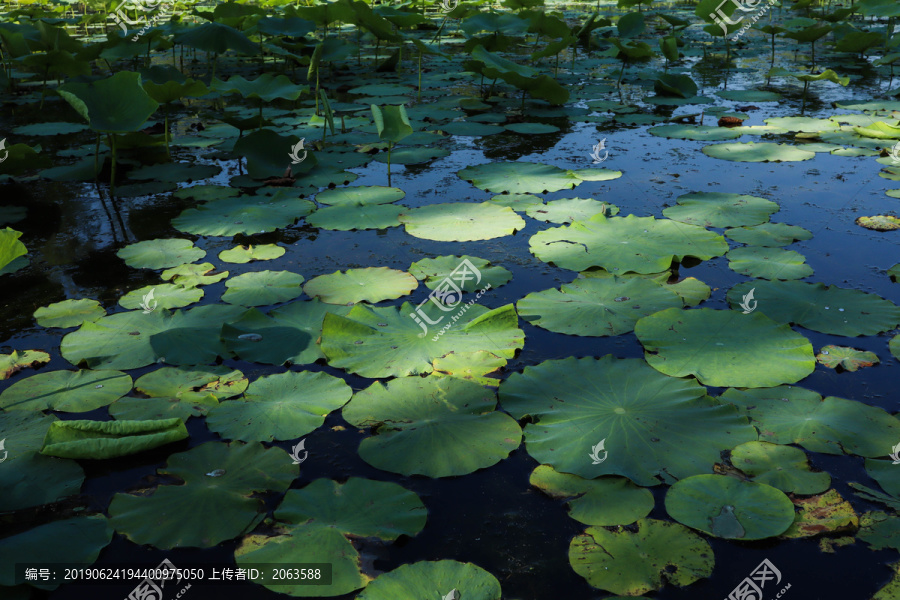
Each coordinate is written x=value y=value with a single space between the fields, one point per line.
x=66 y=391
x=244 y=254
x=360 y=196
x=596 y=174
x=519 y=177
x=12 y=363
x=69 y=313
x=372 y=284
x=894 y=346
x=244 y=214
x=517 y=202
x=879 y=222
x=757 y=152
x=160 y=254
x=165 y=295
x=531 y=128
x=769 y=234
x=192 y=383
x=633 y=562
x=142 y=409
x=716 y=209
x=568 y=210
x=725 y=348
x=705 y=133
x=768 y=263
x=110 y=439
x=656 y=428
x=467 y=277
x=749 y=95
x=471 y=366
x=848 y=359
x=730 y=508
x=55 y=128
x=471 y=128
x=215 y=503
x=192 y=275
x=782 y=467
x=413 y=156
x=596 y=307
x=826 y=513
x=461 y=222
x=420 y=580
x=804 y=124
x=284 y=406
x=261 y=288
x=880 y=530
x=348 y=218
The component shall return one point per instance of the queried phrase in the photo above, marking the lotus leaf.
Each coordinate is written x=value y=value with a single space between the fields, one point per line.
x=894 y=346
x=269 y=154
x=246 y=214
x=12 y=363
x=596 y=174
x=10 y=246
x=633 y=562
x=885 y=473
x=848 y=359
x=192 y=275
x=724 y=348
x=192 y=383
x=66 y=391
x=703 y=133
x=461 y=222
x=757 y=152
x=117 y=104
x=471 y=366
x=749 y=95
x=879 y=530
x=803 y=124
x=879 y=222
x=469 y=128
x=260 y=288
x=782 y=467
x=69 y=313
x=825 y=513
x=517 y=202
x=519 y=177
x=360 y=196
x=421 y=579
x=418 y=421
x=568 y=210
x=217 y=38
x=373 y=285
x=215 y=503
x=730 y=508
x=768 y=234
x=175 y=172
x=164 y=295
x=267 y=87
x=768 y=263
x=244 y=254
x=435 y=270
x=623 y=244
x=160 y=254
x=656 y=428
x=413 y=156
x=143 y=409
x=716 y=209
x=109 y=439
x=348 y=218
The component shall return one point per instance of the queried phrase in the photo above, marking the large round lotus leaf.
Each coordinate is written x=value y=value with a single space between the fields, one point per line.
x=469 y=278
x=831 y=309
x=634 y=562
x=461 y=222
x=595 y=174
x=789 y=415
x=323 y=515
x=768 y=263
x=623 y=244
x=285 y=406
x=69 y=313
x=433 y=426
x=12 y=363
x=769 y=234
x=77 y=540
x=569 y=210
x=348 y=218
x=596 y=307
x=717 y=209
x=517 y=202
x=165 y=295
x=160 y=254
x=244 y=254
x=424 y=578
x=412 y=156
x=132 y=339
x=805 y=124
x=471 y=366
x=691 y=290
x=879 y=531
x=757 y=152
x=605 y=501
x=519 y=178
x=782 y=467
x=749 y=95
x=66 y=391
x=705 y=133
x=145 y=409
x=245 y=214
x=116 y=104
x=885 y=473
x=261 y=288
x=730 y=508
x=388 y=342
x=192 y=275
x=268 y=154
x=471 y=128
x=360 y=195
x=531 y=128
x=879 y=222
x=725 y=348
x=654 y=427
x=894 y=346
x=372 y=284
x=192 y=383
x=216 y=501
x=266 y=87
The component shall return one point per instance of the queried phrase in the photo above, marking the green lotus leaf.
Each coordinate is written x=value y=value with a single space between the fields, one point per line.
x=192 y=383
x=470 y=128
x=531 y=128
x=656 y=428
x=517 y=202
x=348 y=218
x=604 y=501
x=260 y=288
x=244 y=254
x=471 y=366
x=885 y=473
x=826 y=513
x=803 y=124
x=165 y=295
x=675 y=85
x=284 y=406
x=848 y=359
x=360 y=196
x=750 y=95
x=269 y=154
x=175 y=172
x=215 y=503
x=412 y=156
x=66 y=391
x=217 y=38
x=692 y=291
x=144 y=409
x=894 y=272
x=417 y=422
x=632 y=562
x=169 y=90
x=389 y=342
x=831 y=309
x=461 y=222
x=12 y=363
x=372 y=284
x=322 y=516
x=880 y=530
x=705 y=133
x=69 y=313
x=730 y=508
x=879 y=130
x=160 y=254
x=266 y=87
x=596 y=307
x=133 y=339
x=782 y=467
x=422 y=579
x=716 y=209
x=435 y=270
x=789 y=415
x=246 y=214
x=769 y=234
x=768 y=263
x=10 y=246
x=76 y=540
x=757 y=152
x=595 y=174
x=725 y=348
x=523 y=77
x=192 y=275
x=623 y=244
x=203 y=193
x=391 y=122
x=56 y=128
x=879 y=222
x=117 y=104
x=519 y=177
x=110 y=439
x=827 y=74
x=568 y=210
x=894 y=346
